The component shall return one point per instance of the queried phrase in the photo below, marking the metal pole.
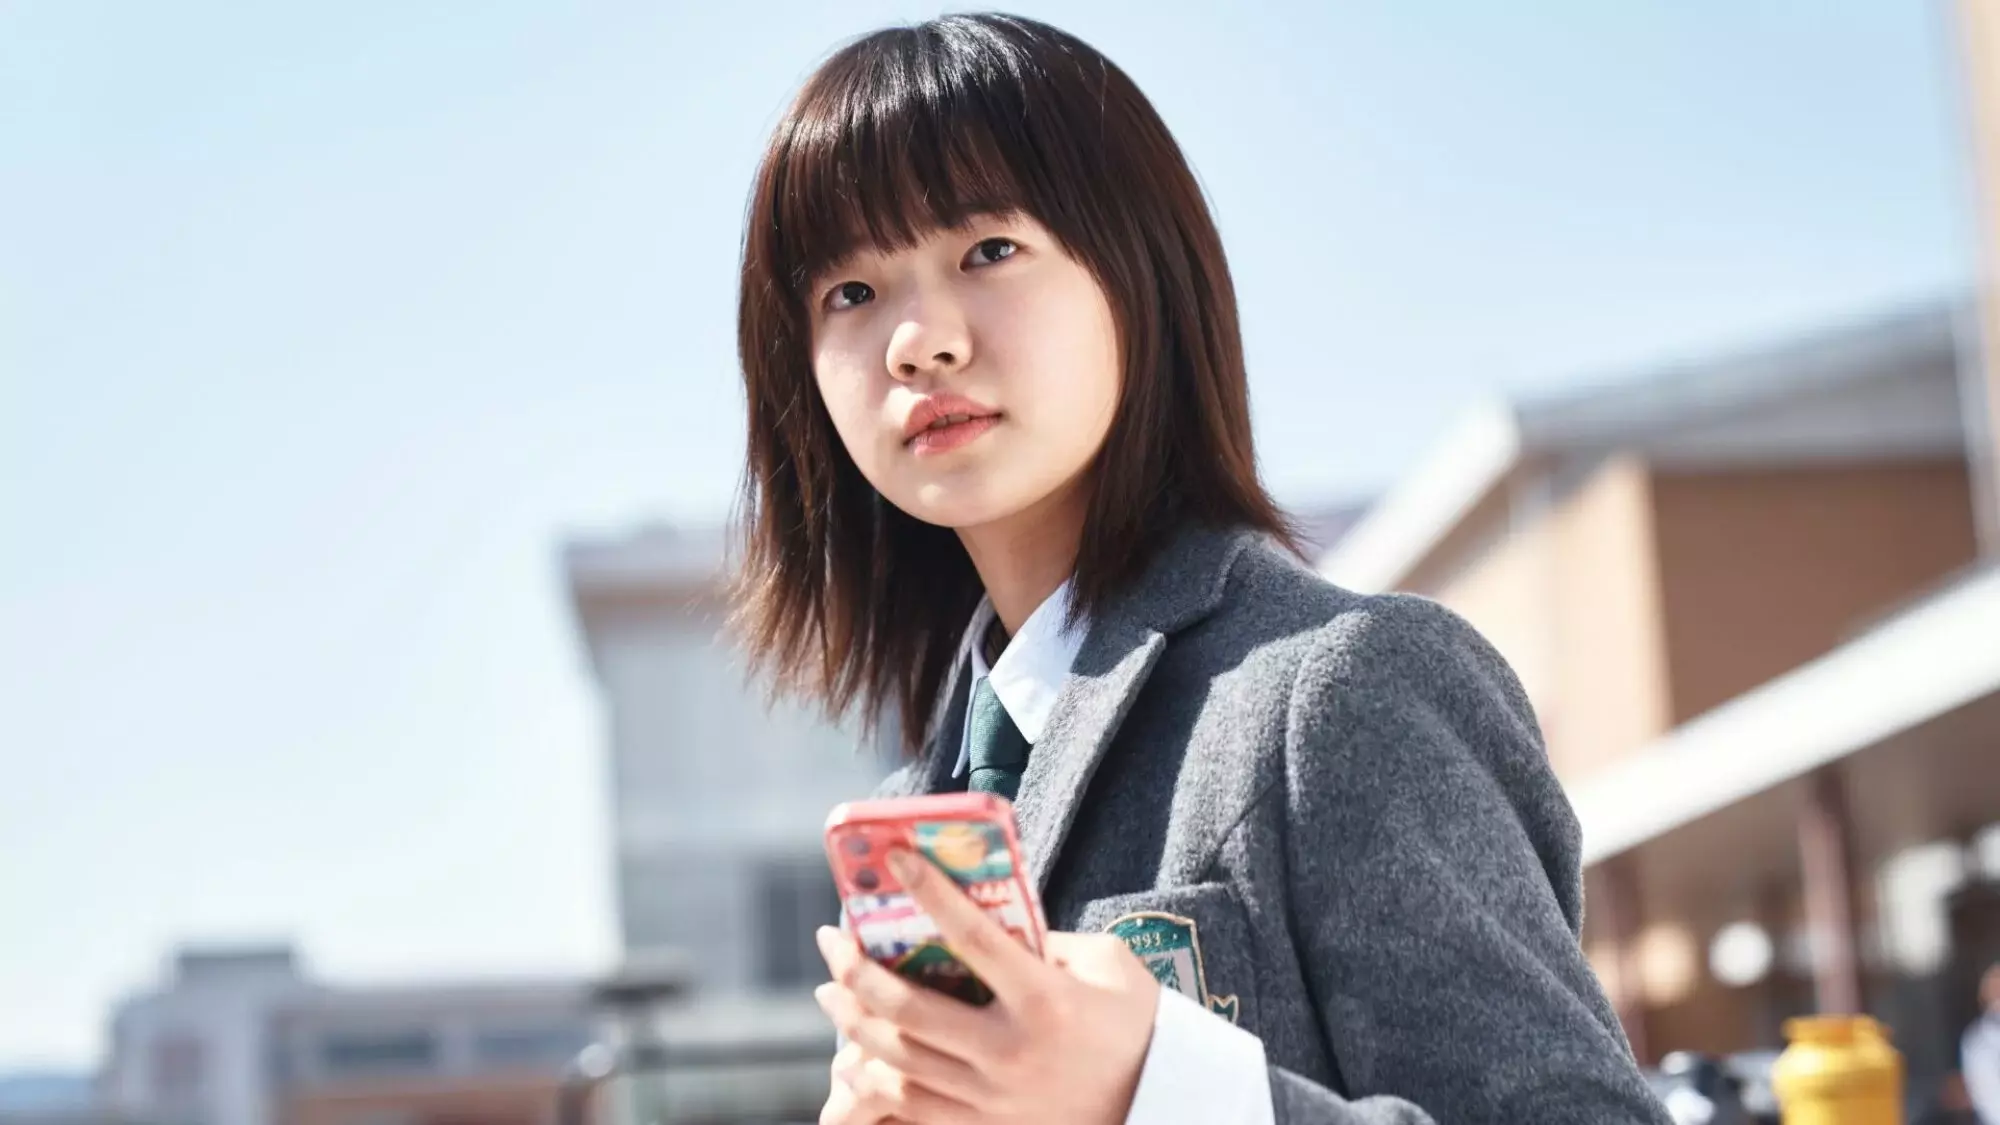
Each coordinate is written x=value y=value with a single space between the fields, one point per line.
x=580 y=1081
x=1826 y=863
x=637 y=993
x=1618 y=898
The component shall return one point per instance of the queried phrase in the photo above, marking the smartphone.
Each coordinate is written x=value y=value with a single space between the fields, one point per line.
x=970 y=837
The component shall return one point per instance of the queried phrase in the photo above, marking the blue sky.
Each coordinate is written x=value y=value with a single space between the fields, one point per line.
x=321 y=328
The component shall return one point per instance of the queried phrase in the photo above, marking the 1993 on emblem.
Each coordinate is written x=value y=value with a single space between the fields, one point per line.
x=1170 y=946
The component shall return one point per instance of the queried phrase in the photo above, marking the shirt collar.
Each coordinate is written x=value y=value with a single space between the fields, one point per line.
x=1030 y=672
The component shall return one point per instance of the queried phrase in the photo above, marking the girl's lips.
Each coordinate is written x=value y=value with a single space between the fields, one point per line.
x=932 y=409
x=944 y=439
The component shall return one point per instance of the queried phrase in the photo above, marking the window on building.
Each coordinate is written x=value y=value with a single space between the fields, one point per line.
x=394 y=1052
x=384 y=1117
x=177 y=1062
x=536 y=1047
x=795 y=896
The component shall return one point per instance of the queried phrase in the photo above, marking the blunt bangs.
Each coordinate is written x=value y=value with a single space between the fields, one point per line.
x=911 y=131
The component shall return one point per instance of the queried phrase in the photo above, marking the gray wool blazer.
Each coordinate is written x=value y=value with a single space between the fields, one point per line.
x=1343 y=806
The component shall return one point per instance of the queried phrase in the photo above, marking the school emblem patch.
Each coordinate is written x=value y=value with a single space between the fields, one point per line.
x=1171 y=948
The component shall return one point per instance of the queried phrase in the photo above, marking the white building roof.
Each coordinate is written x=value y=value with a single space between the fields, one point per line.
x=1883 y=388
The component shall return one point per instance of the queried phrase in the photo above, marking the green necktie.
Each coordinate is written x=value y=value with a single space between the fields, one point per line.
x=999 y=752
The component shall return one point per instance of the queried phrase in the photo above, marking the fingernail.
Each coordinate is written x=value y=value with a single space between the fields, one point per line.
x=905 y=866
x=828 y=937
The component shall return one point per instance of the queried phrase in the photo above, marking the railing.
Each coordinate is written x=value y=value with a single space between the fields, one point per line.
x=601 y=1063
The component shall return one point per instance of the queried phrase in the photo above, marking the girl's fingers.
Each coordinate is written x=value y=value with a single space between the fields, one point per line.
x=881 y=1039
x=883 y=1093
x=954 y=1029
x=843 y=1106
x=1004 y=964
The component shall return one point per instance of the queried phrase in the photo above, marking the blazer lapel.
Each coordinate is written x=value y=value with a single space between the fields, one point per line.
x=1109 y=672
x=1126 y=638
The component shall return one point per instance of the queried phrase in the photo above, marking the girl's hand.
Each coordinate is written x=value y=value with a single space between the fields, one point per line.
x=1062 y=1040
x=846 y=1103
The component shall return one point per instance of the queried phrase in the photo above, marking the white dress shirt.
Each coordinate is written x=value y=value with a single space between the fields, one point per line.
x=1200 y=1069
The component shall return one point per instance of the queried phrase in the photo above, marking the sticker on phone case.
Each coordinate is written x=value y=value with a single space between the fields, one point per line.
x=932 y=965
x=969 y=852
x=1170 y=946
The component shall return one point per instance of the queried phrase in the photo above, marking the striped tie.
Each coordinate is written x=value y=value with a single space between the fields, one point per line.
x=999 y=752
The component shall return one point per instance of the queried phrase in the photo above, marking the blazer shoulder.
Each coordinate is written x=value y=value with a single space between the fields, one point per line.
x=1397 y=644
x=1405 y=636
x=1273 y=591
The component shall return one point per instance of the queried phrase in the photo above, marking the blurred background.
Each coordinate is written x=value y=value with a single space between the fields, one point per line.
x=371 y=425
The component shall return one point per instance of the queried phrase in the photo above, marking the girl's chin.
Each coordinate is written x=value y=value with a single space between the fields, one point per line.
x=958 y=508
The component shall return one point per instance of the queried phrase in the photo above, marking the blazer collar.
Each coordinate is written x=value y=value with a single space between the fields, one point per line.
x=1183 y=584
x=1180 y=586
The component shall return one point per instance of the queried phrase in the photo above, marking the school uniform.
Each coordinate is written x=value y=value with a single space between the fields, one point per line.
x=1328 y=824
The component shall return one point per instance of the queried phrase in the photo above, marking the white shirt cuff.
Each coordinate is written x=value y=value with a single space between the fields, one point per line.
x=1201 y=1069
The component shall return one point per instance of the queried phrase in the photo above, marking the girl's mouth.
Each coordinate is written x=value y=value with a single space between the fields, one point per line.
x=950 y=431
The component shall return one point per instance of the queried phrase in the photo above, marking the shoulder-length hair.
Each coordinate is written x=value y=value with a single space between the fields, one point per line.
x=844 y=598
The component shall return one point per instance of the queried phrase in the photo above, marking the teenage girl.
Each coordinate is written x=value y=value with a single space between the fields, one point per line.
x=1306 y=846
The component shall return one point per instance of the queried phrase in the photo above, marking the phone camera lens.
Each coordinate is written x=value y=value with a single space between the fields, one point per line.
x=867 y=879
x=856 y=846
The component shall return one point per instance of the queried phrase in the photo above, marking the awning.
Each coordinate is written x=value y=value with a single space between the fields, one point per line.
x=1934 y=658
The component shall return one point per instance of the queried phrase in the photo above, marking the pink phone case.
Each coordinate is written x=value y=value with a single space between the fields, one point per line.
x=969 y=836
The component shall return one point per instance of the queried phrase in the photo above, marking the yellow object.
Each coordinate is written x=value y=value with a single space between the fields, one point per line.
x=960 y=847
x=1839 y=1070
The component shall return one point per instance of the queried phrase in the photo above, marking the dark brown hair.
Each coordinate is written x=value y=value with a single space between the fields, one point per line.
x=844 y=597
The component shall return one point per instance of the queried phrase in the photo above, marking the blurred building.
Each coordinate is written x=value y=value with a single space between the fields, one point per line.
x=44 y=1097
x=1746 y=600
x=245 y=1037
x=1322 y=527
x=717 y=799
x=718 y=802
x=469 y=1054
x=192 y=1052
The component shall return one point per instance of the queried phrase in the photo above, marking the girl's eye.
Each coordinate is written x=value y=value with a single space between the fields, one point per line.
x=991 y=250
x=848 y=294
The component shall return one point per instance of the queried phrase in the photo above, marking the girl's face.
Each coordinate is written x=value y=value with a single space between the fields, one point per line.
x=971 y=376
